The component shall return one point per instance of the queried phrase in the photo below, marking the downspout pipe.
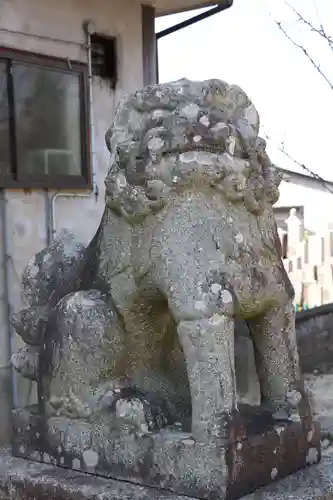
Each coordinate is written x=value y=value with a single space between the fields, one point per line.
x=7 y=379
x=6 y=340
x=195 y=19
x=88 y=28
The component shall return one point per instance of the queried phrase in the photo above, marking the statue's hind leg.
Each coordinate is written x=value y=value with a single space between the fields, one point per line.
x=277 y=361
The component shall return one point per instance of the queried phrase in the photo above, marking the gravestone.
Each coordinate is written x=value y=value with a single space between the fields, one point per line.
x=131 y=340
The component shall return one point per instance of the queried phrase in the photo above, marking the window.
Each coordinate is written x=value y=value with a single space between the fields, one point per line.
x=43 y=122
x=4 y=125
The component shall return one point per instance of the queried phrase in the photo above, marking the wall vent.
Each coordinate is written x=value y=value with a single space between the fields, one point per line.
x=104 y=58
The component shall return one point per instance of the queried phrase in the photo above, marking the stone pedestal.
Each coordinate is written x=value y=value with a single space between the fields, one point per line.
x=254 y=451
x=24 y=480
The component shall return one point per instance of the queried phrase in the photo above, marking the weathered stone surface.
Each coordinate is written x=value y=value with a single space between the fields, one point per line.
x=49 y=276
x=135 y=335
x=53 y=271
x=27 y=480
x=81 y=353
x=171 y=458
x=26 y=362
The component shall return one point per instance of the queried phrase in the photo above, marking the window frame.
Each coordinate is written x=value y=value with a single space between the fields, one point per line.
x=16 y=179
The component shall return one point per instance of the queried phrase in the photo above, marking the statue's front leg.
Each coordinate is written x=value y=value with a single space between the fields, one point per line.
x=277 y=361
x=208 y=345
x=188 y=270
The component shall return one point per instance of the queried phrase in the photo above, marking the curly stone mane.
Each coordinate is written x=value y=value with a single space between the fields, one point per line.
x=167 y=137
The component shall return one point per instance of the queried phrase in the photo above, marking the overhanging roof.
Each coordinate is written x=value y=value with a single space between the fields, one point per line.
x=165 y=7
x=306 y=180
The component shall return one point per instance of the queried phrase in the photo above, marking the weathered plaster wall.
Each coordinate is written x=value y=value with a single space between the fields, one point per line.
x=26 y=217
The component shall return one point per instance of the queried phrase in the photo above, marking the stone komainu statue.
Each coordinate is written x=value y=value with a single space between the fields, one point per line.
x=136 y=332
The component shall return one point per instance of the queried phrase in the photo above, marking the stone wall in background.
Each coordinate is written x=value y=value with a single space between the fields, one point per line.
x=314 y=330
x=315 y=339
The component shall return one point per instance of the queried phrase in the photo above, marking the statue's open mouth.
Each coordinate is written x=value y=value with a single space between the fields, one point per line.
x=183 y=154
x=217 y=148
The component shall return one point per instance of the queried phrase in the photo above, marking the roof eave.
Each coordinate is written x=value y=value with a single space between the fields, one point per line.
x=195 y=5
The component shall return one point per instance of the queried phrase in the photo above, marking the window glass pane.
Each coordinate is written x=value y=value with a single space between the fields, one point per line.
x=47 y=108
x=4 y=124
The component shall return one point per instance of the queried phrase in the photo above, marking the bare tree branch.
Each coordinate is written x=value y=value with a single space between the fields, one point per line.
x=282 y=149
x=320 y=31
x=306 y=53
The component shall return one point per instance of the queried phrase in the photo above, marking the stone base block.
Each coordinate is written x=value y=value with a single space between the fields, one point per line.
x=26 y=480
x=257 y=451
x=262 y=450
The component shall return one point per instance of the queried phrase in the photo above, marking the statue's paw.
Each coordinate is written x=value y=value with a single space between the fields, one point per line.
x=143 y=411
x=30 y=324
x=26 y=362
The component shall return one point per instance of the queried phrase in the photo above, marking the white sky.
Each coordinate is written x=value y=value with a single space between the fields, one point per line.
x=244 y=46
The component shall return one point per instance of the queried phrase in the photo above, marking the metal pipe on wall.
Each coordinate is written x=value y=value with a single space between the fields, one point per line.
x=88 y=27
x=48 y=221
x=7 y=380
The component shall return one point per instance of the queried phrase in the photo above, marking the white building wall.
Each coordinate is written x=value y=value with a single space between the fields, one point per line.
x=318 y=204
x=309 y=264
x=26 y=212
